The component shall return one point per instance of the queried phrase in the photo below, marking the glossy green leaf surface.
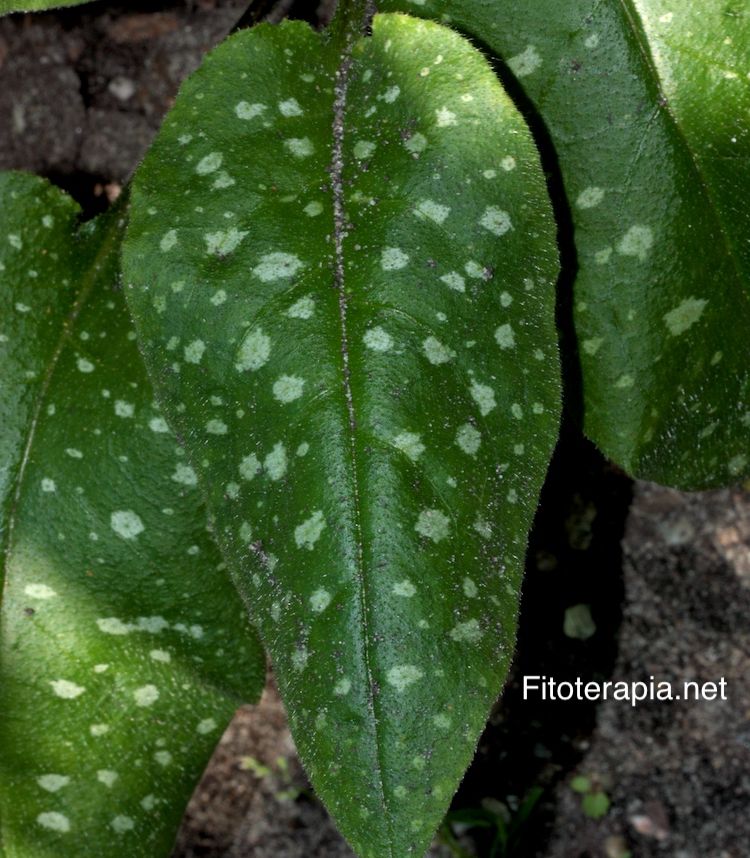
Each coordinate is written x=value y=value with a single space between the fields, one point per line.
x=648 y=106
x=346 y=302
x=8 y=6
x=124 y=649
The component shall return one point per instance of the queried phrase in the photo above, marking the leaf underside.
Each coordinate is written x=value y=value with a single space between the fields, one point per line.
x=124 y=650
x=648 y=105
x=353 y=332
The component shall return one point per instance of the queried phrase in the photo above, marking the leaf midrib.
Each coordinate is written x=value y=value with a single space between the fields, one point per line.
x=356 y=23
x=88 y=281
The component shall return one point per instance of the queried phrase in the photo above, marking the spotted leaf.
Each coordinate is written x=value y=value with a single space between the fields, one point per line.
x=346 y=303
x=124 y=647
x=647 y=105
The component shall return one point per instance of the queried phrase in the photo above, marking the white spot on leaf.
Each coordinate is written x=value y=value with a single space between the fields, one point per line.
x=223 y=242
x=124 y=409
x=433 y=524
x=403 y=675
x=342 y=687
x=393 y=259
x=245 y=110
x=168 y=241
x=302 y=309
x=158 y=425
x=430 y=210
x=468 y=632
x=275 y=463
x=54 y=821
x=437 y=353
x=484 y=397
x=410 y=444
x=121 y=824
x=444 y=118
x=592 y=346
x=249 y=467
x=185 y=475
x=277 y=266
x=504 y=336
x=209 y=164
x=107 y=777
x=39 y=591
x=287 y=388
x=416 y=144
x=637 y=241
x=216 y=427
x=207 y=725
x=685 y=315
x=589 y=198
x=378 y=339
x=147 y=695
x=404 y=588
x=453 y=280
x=320 y=600
x=468 y=439
x=496 y=221
x=126 y=524
x=53 y=783
x=194 y=351
x=299 y=147
x=308 y=533
x=313 y=209
x=254 y=351
x=290 y=107
x=66 y=689
x=364 y=149
x=525 y=63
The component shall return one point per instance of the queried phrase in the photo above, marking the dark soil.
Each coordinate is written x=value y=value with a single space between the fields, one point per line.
x=665 y=575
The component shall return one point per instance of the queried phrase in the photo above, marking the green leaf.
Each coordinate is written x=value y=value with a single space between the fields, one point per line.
x=595 y=804
x=124 y=649
x=581 y=783
x=8 y=6
x=647 y=104
x=578 y=622
x=353 y=332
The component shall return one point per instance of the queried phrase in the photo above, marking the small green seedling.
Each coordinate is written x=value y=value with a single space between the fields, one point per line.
x=594 y=801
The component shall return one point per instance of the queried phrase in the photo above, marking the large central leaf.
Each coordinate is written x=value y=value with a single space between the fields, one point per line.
x=341 y=262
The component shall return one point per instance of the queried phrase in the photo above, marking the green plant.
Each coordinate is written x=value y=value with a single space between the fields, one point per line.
x=340 y=263
x=594 y=801
x=506 y=822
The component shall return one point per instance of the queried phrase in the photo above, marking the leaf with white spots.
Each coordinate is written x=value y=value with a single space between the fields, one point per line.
x=647 y=104
x=124 y=647
x=385 y=369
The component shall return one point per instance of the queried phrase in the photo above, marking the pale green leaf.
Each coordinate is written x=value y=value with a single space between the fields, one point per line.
x=8 y=6
x=124 y=649
x=647 y=104
x=353 y=332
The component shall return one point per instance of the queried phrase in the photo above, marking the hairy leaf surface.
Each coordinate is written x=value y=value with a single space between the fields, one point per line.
x=124 y=648
x=648 y=105
x=346 y=303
